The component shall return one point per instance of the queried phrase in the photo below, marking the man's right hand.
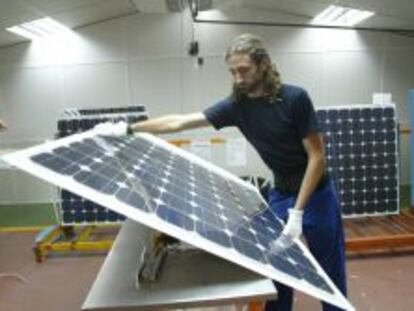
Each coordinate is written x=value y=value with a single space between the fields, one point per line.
x=291 y=232
x=111 y=129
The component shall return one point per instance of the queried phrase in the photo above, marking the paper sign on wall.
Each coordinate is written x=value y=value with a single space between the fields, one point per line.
x=381 y=98
x=236 y=151
x=201 y=148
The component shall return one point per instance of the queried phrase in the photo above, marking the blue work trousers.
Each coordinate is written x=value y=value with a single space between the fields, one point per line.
x=323 y=231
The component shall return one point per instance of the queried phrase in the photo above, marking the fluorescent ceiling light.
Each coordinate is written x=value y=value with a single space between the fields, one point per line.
x=40 y=29
x=341 y=16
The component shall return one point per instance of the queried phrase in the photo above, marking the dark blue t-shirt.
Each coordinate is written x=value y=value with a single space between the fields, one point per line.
x=275 y=129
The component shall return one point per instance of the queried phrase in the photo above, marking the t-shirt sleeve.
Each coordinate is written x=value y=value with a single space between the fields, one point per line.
x=222 y=114
x=305 y=115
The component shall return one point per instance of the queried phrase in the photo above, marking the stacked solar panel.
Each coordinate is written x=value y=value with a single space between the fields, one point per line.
x=75 y=209
x=362 y=154
x=83 y=120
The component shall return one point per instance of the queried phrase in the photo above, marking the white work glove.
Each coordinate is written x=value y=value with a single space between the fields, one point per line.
x=111 y=129
x=291 y=232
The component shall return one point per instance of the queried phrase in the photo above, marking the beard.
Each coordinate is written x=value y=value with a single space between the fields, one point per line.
x=246 y=88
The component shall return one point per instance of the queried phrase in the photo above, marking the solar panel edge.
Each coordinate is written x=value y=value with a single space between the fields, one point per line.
x=399 y=159
x=21 y=161
x=84 y=112
x=103 y=116
x=397 y=152
x=359 y=106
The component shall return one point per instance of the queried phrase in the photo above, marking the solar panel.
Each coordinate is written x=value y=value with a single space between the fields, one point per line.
x=170 y=190
x=362 y=156
x=74 y=120
x=73 y=209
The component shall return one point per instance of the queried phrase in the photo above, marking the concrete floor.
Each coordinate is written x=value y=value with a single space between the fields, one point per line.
x=376 y=283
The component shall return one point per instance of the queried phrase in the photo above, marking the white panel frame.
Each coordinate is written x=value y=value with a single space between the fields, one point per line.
x=21 y=159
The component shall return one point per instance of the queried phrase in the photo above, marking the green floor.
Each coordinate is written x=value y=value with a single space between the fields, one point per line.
x=35 y=215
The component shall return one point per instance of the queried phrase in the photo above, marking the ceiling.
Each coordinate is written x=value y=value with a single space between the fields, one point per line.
x=397 y=14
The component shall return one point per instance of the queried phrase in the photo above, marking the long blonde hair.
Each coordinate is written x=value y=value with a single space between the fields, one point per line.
x=253 y=46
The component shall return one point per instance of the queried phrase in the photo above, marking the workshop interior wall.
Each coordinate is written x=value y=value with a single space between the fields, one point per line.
x=143 y=60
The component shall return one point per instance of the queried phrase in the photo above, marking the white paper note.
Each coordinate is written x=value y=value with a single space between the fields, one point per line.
x=201 y=148
x=381 y=99
x=236 y=152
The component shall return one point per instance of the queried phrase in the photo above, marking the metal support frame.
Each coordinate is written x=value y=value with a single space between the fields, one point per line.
x=187 y=279
x=61 y=239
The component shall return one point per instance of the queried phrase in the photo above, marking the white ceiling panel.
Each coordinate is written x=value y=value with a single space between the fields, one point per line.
x=76 y=13
x=72 y=13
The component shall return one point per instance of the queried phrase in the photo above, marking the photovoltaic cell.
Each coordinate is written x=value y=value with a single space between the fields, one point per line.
x=170 y=190
x=75 y=210
x=362 y=156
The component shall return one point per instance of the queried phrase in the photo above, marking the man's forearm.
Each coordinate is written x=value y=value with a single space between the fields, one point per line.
x=171 y=123
x=165 y=124
x=313 y=174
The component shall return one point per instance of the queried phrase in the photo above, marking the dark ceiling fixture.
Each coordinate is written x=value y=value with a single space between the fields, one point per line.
x=194 y=8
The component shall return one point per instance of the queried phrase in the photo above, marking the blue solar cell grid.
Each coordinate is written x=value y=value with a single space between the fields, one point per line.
x=362 y=156
x=77 y=210
x=69 y=126
x=170 y=190
x=181 y=193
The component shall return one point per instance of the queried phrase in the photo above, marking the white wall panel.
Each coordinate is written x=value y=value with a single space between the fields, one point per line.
x=157 y=85
x=143 y=59
x=32 y=99
x=19 y=187
x=333 y=40
x=351 y=77
x=304 y=69
x=13 y=56
x=103 y=42
x=154 y=36
x=204 y=85
x=96 y=85
x=399 y=78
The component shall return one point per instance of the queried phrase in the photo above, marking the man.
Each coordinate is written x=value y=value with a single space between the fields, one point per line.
x=280 y=122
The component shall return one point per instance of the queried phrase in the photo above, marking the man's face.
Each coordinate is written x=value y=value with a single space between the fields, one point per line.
x=247 y=76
